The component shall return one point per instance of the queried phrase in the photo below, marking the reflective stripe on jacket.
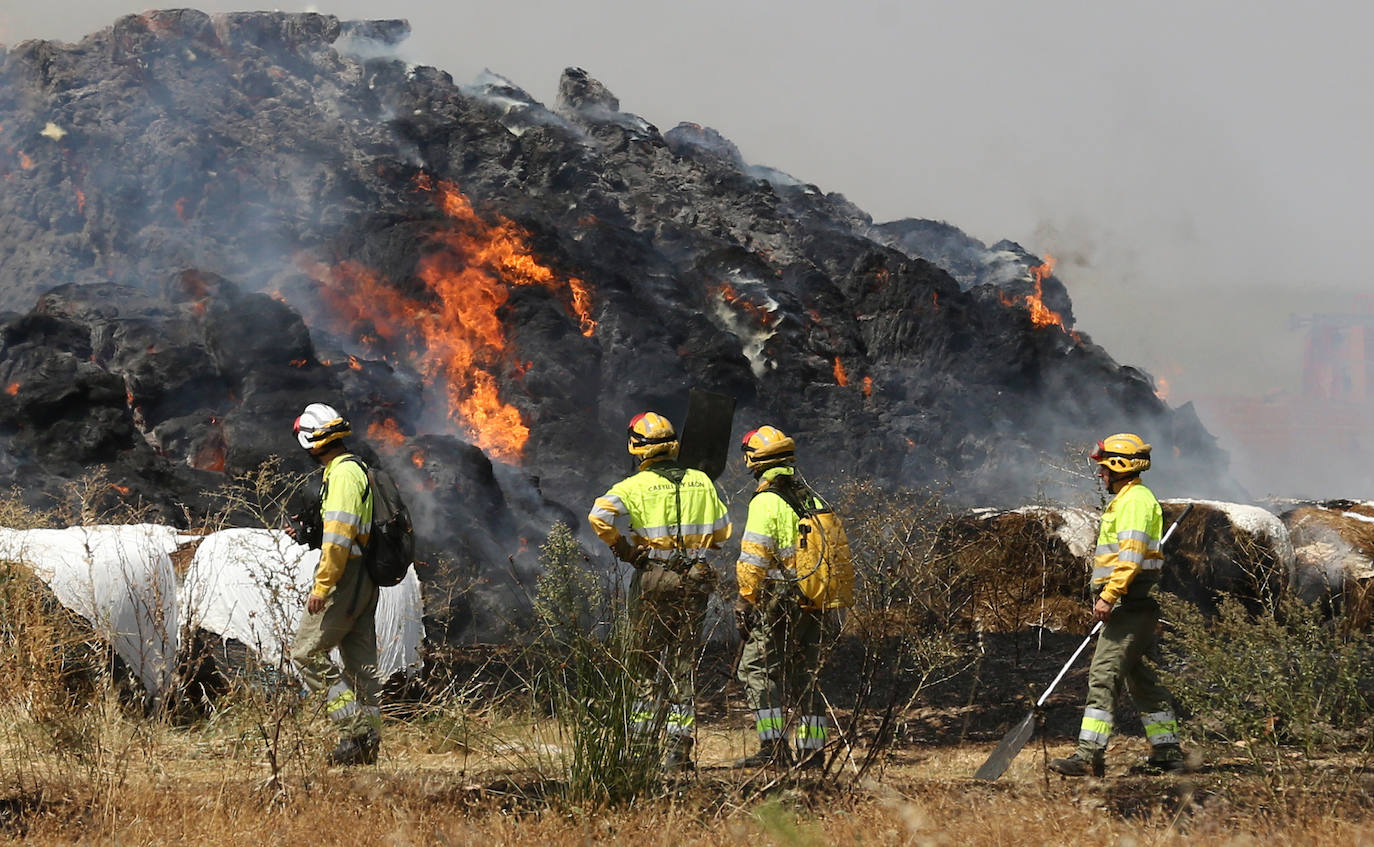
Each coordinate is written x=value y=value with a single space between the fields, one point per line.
x=1128 y=558
x=643 y=510
x=770 y=536
x=347 y=520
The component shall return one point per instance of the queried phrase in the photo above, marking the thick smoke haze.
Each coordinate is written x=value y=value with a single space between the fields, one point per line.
x=1201 y=171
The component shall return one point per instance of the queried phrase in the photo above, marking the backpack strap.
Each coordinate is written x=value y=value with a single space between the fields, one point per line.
x=791 y=492
x=674 y=473
x=367 y=490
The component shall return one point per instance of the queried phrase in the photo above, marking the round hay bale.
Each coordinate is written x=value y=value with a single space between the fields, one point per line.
x=1225 y=549
x=1021 y=568
x=1333 y=545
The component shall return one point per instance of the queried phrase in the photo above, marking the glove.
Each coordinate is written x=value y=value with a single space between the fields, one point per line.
x=746 y=617
x=624 y=551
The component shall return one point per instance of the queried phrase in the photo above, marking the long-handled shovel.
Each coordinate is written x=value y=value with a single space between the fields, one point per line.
x=1014 y=740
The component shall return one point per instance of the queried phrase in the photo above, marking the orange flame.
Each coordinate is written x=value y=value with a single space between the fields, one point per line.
x=122 y=489
x=211 y=457
x=386 y=433
x=354 y=364
x=180 y=206
x=761 y=314
x=298 y=363
x=868 y=386
x=1162 y=388
x=24 y=161
x=841 y=378
x=1042 y=315
x=454 y=327
x=12 y=389
x=417 y=459
x=80 y=201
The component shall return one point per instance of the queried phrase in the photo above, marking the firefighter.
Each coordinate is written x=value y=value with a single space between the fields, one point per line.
x=663 y=520
x=780 y=623
x=1127 y=566
x=341 y=609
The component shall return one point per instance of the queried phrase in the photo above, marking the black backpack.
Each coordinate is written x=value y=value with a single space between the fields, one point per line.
x=391 y=547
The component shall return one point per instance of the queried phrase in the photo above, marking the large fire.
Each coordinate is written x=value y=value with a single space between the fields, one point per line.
x=452 y=329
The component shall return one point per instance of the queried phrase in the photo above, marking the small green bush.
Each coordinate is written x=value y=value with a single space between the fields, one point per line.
x=1285 y=685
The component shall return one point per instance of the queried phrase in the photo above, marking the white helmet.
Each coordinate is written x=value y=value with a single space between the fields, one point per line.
x=320 y=424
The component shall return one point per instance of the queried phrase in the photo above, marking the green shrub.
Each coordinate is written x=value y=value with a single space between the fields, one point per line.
x=584 y=673
x=1286 y=686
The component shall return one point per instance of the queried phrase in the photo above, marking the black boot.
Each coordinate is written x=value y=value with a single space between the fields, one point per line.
x=1167 y=758
x=772 y=753
x=357 y=749
x=1076 y=765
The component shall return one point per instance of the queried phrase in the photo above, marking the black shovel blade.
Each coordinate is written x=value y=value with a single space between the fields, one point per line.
x=1012 y=742
x=705 y=440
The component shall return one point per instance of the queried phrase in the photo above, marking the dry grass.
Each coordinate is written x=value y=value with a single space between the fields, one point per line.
x=195 y=788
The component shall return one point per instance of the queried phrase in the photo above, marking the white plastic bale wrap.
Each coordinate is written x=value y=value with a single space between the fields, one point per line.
x=120 y=579
x=251 y=585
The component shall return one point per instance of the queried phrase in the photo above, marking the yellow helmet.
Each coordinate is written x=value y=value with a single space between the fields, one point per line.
x=652 y=435
x=767 y=447
x=1124 y=452
x=320 y=424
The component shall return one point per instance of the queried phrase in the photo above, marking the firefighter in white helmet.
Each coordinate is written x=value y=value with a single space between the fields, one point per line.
x=341 y=609
x=664 y=520
x=1127 y=566
x=794 y=566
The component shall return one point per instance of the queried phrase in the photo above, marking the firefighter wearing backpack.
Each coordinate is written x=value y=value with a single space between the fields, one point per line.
x=664 y=520
x=342 y=605
x=794 y=566
x=1128 y=565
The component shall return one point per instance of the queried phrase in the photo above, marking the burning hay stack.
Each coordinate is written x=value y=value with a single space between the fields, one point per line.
x=211 y=220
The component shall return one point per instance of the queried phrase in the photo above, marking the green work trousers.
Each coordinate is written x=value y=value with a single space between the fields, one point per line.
x=1128 y=639
x=348 y=622
x=779 y=666
x=667 y=611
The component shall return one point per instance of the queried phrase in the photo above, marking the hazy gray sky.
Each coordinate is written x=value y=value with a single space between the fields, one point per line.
x=1180 y=158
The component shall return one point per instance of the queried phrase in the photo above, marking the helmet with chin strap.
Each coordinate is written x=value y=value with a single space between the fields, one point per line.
x=651 y=435
x=767 y=447
x=320 y=425
x=1124 y=452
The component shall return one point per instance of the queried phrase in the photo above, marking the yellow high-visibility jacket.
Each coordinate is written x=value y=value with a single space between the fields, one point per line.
x=347 y=520
x=1128 y=560
x=770 y=537
x=644 y=509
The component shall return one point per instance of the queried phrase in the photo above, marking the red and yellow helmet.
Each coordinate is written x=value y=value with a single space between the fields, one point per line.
x=1124 y=452
x=652 y=435
x=767 y=447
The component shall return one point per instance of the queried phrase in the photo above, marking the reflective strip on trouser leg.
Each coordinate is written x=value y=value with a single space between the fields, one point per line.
x=341 y=704
x=681 y=719
x=642 y=716
x=769 y=724
x=812 y=732
x=1161 y=728
x=1097 y=728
